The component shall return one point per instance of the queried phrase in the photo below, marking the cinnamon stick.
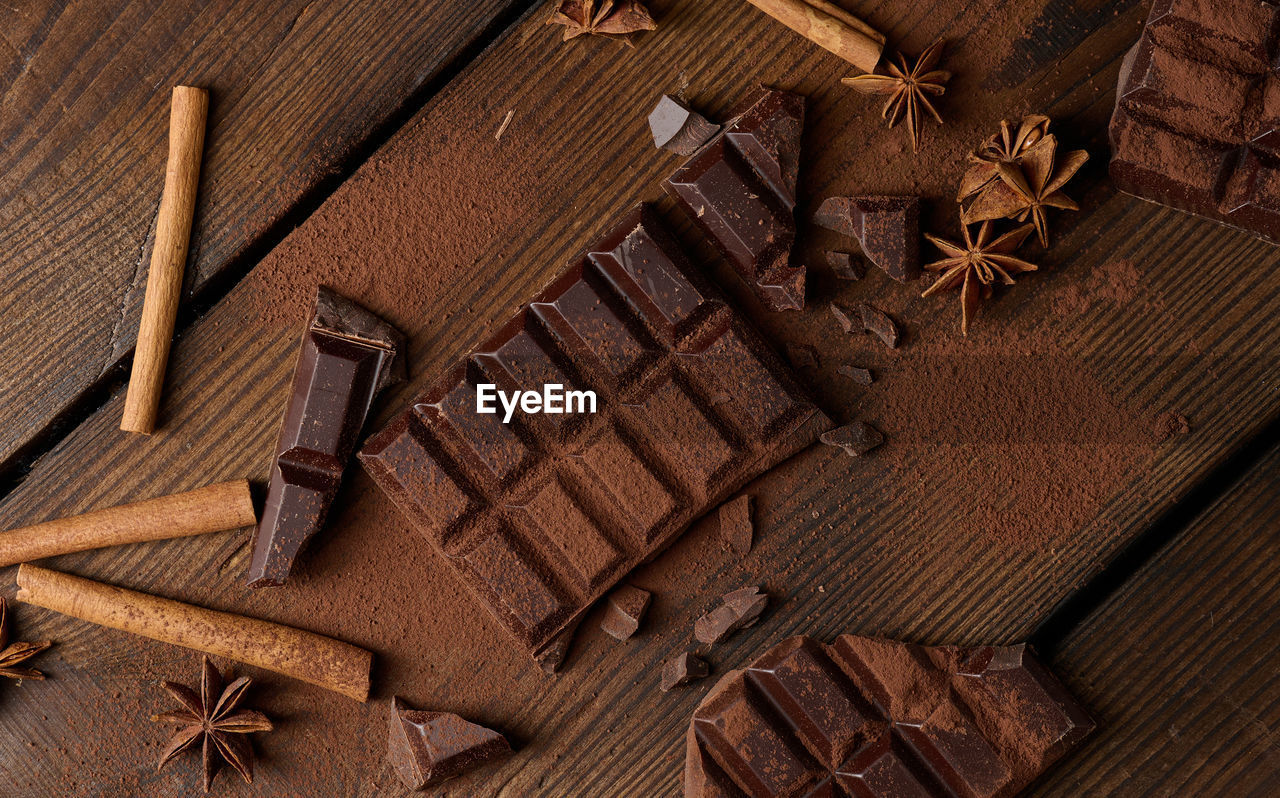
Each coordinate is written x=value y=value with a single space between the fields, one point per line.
x=829 y=26
x=215 y=508
x=305 y=656
x=188 y=110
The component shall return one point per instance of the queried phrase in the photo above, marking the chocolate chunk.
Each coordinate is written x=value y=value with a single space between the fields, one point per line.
x=348 y=356
x=802 y=356
x=864 y=318
x=887 y=228
x=856 y=439
x=427 y=748
x=682 y=669
x=624 y=609
x=543 y=515
x=678 y=129
x=846 y=266
x=872 y=717
x=741 y=190
x=554 y=653
x=1196 y=123
x=736 y=527
x=857 y=374
x=740 y=609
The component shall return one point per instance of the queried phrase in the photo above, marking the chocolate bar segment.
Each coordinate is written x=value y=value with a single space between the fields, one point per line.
x=741 y=190
x=881 y=719
x=348 y=356
x=887 y=229
x=543 y=515
x=1197 y=117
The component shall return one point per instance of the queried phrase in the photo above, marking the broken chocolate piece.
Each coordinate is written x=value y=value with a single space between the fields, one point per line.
x=846 y=266
x=1197 y=116
x=677 y=129
x=427 y=748
x=740 y=608
x=741 y=190
x=871 y=717
x=856 y=439
x=624 y=609
x=802 y=356
x=864 y=318
x=551 y=657
x=887 y=228
x=348 y=356
x=542 y=516
x=736 y=527
x=681 y=670
x=857 y=373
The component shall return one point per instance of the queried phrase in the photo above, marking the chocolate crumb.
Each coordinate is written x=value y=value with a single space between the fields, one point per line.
x=678 y=129
x=1169 y=424
x=624 y=610
x=553 y=656
x=682 y=669
x=846 y=266
x=802 y=356
x=858 y=374
x=740 y=608
x=736 y=527
x=856 y=439
x=879 y=324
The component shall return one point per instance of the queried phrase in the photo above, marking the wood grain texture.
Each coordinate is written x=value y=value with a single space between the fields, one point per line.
x=295 y=86
x=1160 y=312
x=1180 y=664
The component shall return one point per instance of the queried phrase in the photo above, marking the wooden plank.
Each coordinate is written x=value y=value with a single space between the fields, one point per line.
x=1145 y=309
x=297 y=89
x=1180 y=664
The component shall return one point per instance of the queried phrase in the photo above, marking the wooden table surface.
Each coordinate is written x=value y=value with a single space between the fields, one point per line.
x=1154 y=598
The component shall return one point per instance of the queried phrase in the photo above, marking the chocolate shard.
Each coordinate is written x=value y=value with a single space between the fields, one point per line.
x=855 y=439
x=678 y=129
x=887 y=228
x=858 y=374
x=741 y=190
x=624 y=610
x=542 y=516
x=802 y=356
x=865 y=318
x=1196 y=124
x=739 y=609
x=427 y=748
x=736 y=527
x=872 y=717
x=846 y=266
x=348 y=356
x=682 y=669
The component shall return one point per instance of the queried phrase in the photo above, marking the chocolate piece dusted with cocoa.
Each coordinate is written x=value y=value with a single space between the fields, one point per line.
x=678 y=129
x=883 y=719
x=741 y=190
x=802 y=356
x=544 y=515
x=624 y=609
x=348 y=356
x=865 y=318
x=427 y=748
x=846 y=266
x=858 y=374
x=1197 y=117
x=856 y=439
x=738 y=610
x=737 y=529
x=554 y=653
x=682 y=669
x=887 y=228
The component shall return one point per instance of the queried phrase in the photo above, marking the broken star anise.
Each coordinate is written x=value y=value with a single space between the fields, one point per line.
x=977 y=265
x=909 y=88
x=611 y=18
x=1007 y=146
x=14 y=654
x=213 y=719
x=1028 y=188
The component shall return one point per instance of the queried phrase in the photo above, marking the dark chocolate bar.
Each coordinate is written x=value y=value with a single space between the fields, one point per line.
x=881 y=719
x=1197 y=118
x=543 y=515
x=740 y=188
x=348 y=356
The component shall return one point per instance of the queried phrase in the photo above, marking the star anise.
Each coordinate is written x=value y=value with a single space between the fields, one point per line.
x=977 y=265
x=611 y=18
x=1007 y=146
x=1029 y=188
x=908 y=88
x=211 y=718
x=14 y=654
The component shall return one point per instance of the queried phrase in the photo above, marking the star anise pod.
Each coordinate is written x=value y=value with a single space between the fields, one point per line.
x=909 y=88
x=14 y=654
x=1029 y=188
x=212 y=718
x=977 y=265
x=1007 y=146
x=611 y=18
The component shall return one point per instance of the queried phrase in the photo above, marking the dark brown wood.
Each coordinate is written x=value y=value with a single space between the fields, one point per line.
x=296 y=88
x=1180 y=664
x=876 y=545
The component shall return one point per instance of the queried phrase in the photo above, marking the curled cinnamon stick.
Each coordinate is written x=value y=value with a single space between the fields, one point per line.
x=829 y=26
x=305 y=656
x=215 y=508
